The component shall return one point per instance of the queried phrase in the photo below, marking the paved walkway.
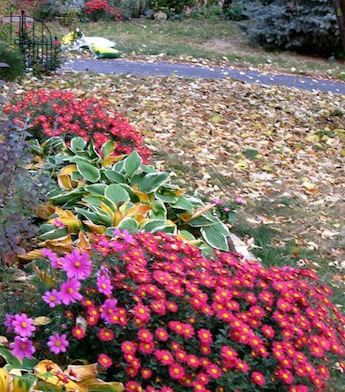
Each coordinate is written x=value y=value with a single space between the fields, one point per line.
x=119 y=66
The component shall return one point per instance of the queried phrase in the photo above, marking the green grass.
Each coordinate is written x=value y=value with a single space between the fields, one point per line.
x=203 y=39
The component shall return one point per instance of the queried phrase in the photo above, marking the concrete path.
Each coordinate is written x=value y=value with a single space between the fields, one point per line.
x=119 y=66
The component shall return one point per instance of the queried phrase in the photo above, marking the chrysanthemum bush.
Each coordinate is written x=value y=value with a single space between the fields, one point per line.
x=97 y=9
x=61 y=113
x=158 y=315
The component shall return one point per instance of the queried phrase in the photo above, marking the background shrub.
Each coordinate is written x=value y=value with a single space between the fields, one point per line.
x=307 y=25
x=175 y=5
x=98 y=9
x=154 y=312
x=21 y=190
x=14 y=59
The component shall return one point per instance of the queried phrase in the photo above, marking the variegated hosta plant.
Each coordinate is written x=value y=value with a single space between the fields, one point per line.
x=98 y=192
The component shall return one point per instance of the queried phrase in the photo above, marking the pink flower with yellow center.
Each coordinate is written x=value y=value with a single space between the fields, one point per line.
x=22 y=348
x=77 y=265
x=23 y=325
x=58 y=343
x=69 y=292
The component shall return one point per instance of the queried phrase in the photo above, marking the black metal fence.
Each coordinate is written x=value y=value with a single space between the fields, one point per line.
x=33 y=38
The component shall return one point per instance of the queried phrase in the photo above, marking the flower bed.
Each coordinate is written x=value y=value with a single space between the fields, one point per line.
x=61 y=113
x=146 y=305
x=152 y=310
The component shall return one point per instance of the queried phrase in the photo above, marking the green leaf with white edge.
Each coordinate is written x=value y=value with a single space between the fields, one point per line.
x=9 y=357
x=132 y=163
x=108 y=148
x=155 y=225
x=215 y=238
x=222 y=228
x=53 y=143
x=96 y=200
x=166 y=198
x=151 y=181
x=25 y=382
x=53 y=234
x=92 y=150
x=201 y=221
x=119 y=167
x=148 y=169
x=158 y=211
x=77 y=144
x=95 y=189
x=129 y=224
x=126 y=206
x=182 y=204
x=132 y=195
x=114 y=176
x=64 y=198
x=97 y=215
x=187 y=235
x=89 y=172
x=116 y=193
x=45 y=228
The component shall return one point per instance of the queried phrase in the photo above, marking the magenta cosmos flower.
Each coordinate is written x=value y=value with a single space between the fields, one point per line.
x=22 y=348
x=52 y=298
x=77 y=265
x=69 y=292
x=104 y=285
x=23 y=325
x=58 y=343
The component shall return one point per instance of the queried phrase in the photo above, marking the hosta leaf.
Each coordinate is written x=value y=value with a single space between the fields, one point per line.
x=215 y=238
x=202 y=221
x=23 y=383
x=155 y=225
x=9 y=358
x=129 y=224
x=108 y=148
x=114 y=176
x=4 y=380
x=77 y=144
x=96 y=189
x=88 y=171
x=183 y=204
x=81 y=372
x=53 y=234
x=151 y=181
x=158 y=211
x=132 y=163
x=41 y=320
x=66 y=197
x=96 y=385
x=65 y=182
x=99 y=229
x=92 y=216
x=116 y=193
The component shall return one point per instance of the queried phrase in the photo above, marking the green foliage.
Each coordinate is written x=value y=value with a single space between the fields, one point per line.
x=103 y=192
x=234 y=12
x=210 y=12
x=14 y=59
x=175 y=5
x=308 y=26
x=20 y=192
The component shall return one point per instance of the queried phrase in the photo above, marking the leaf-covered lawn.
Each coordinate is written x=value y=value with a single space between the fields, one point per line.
x=281 y=150
x=204 y=41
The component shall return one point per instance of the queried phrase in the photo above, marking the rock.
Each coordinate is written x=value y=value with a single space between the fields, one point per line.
x=160 y=16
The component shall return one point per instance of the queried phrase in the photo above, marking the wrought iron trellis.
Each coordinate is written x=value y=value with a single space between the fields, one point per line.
x=35 y=41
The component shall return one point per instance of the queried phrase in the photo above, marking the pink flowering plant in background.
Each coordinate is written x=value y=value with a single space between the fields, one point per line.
x=152 y=310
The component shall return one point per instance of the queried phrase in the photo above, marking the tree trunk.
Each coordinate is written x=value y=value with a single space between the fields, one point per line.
x=340 y=12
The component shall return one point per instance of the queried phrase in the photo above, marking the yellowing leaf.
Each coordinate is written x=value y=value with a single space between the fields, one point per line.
x=106 y=209
x=42 y=320
x=81 y=372
x=65 y=182
x=45 y=210
x=69 y=169
x=83 y=242
x=64 y=244
x=96 y=385
x=99 y=229
x=117 y=218
x=110 y=160
x=67 y=217
x=4 y=380
x=144 y=197
x=32 y=255
x=51 y=374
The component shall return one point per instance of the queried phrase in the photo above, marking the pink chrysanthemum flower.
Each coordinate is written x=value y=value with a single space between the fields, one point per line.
x=105 y=361
x=52 y=298
x=9 y=322
x=77 y=265
x=22 y=348
x=69 y=292
x=108 y=309
x=104 y=285
x=124 y=235
x=58 y=343
x=55 y=261
x=23 y=325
